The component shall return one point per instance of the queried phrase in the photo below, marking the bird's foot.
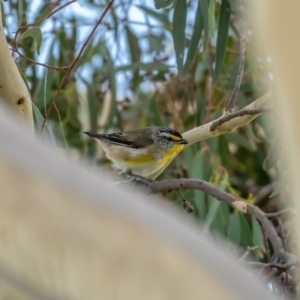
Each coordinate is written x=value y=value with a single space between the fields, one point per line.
x=139 y=180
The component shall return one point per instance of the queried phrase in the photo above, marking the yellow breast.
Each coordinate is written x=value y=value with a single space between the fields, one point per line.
x=170 y=154
x=142 y=159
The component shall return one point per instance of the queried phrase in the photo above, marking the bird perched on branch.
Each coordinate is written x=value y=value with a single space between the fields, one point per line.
x=143 y=151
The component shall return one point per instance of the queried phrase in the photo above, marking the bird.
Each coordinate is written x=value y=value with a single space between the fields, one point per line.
x=141 y=152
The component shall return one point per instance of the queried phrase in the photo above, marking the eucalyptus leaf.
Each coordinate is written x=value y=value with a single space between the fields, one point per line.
x=178 y=32
x=36 y=34
x=223 y=28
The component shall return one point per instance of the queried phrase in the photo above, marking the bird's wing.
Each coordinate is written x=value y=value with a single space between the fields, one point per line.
x=114 y=138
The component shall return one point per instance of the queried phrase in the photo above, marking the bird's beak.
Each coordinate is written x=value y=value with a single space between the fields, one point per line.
x=93 y=135
x=183 y=141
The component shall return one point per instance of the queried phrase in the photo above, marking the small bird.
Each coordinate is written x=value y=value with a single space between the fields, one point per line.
x=143 y=151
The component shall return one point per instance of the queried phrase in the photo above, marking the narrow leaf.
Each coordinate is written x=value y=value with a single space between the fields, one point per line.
x=161 y=17
x=204 y=11
x=234 y=231
x=197 y=32
x=222 y=38
x=162 y=3
x=36 y=34
x=133 y=44
x=211 y=18
x=280 y=186
x=178 y=33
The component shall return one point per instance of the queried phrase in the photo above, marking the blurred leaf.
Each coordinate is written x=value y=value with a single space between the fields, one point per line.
x=234 y=230
x=162 y=3
x=223 y=150
x=44 y=10
x=246 y=235
x=217 y=218
x=197 y=32
x=223 y=28
x=197 y=172
x=281 y=185
x=160 y=16
x=114 y=113
x=22 y=8
x=237 y=138
x=36 y=34
x=205 y=16
x=212 y=212
x=239 y=231
x=211 y=18
x=156 y=43
x=153 y=66
x=134 y=46
x=115 y=20
x=272 y=156
x=178 y=32
x=257 y=238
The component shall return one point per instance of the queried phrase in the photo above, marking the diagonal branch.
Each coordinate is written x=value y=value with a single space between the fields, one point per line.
x=289 y=259
x=203 y=132
x=74 y=63
x=239 y=113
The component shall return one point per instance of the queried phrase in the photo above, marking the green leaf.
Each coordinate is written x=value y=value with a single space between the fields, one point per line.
x=246 y=235
x=159 y=16
x=197 y=172
x=204 y=11
x=257 y=238
x=153 y=66
x=162 y=3
x=211 y=18
x=234 y=231
x=239 y=231
x=178 y=33
x=134 y=47
x=237 y=138
x=36 y=34
x=217 y=218
x=280 y=186
x=197 y=32
x=212 y=212
x=222 y=38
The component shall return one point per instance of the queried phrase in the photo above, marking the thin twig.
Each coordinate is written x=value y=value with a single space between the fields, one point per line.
x=14 y=41
x=249 y=250
x=38 y=63
x=186 y=205
x=277 y=214
x=231 y=103
x=265 y=240
x=288 y=260
x=74 y=63
x=237 y=114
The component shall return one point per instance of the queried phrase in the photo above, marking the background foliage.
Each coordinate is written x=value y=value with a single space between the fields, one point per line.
x=170 y=63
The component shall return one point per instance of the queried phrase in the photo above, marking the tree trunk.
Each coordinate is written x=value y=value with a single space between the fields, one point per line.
x=13 y=90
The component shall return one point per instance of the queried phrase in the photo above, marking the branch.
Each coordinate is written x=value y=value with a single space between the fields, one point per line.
x=237 y=114
x=249 y=250
x=74 y=63
x=203 y=132
x=13 y=90
x=38 y=63
x=231 y=103
x=175 y=184
x=14 y=41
